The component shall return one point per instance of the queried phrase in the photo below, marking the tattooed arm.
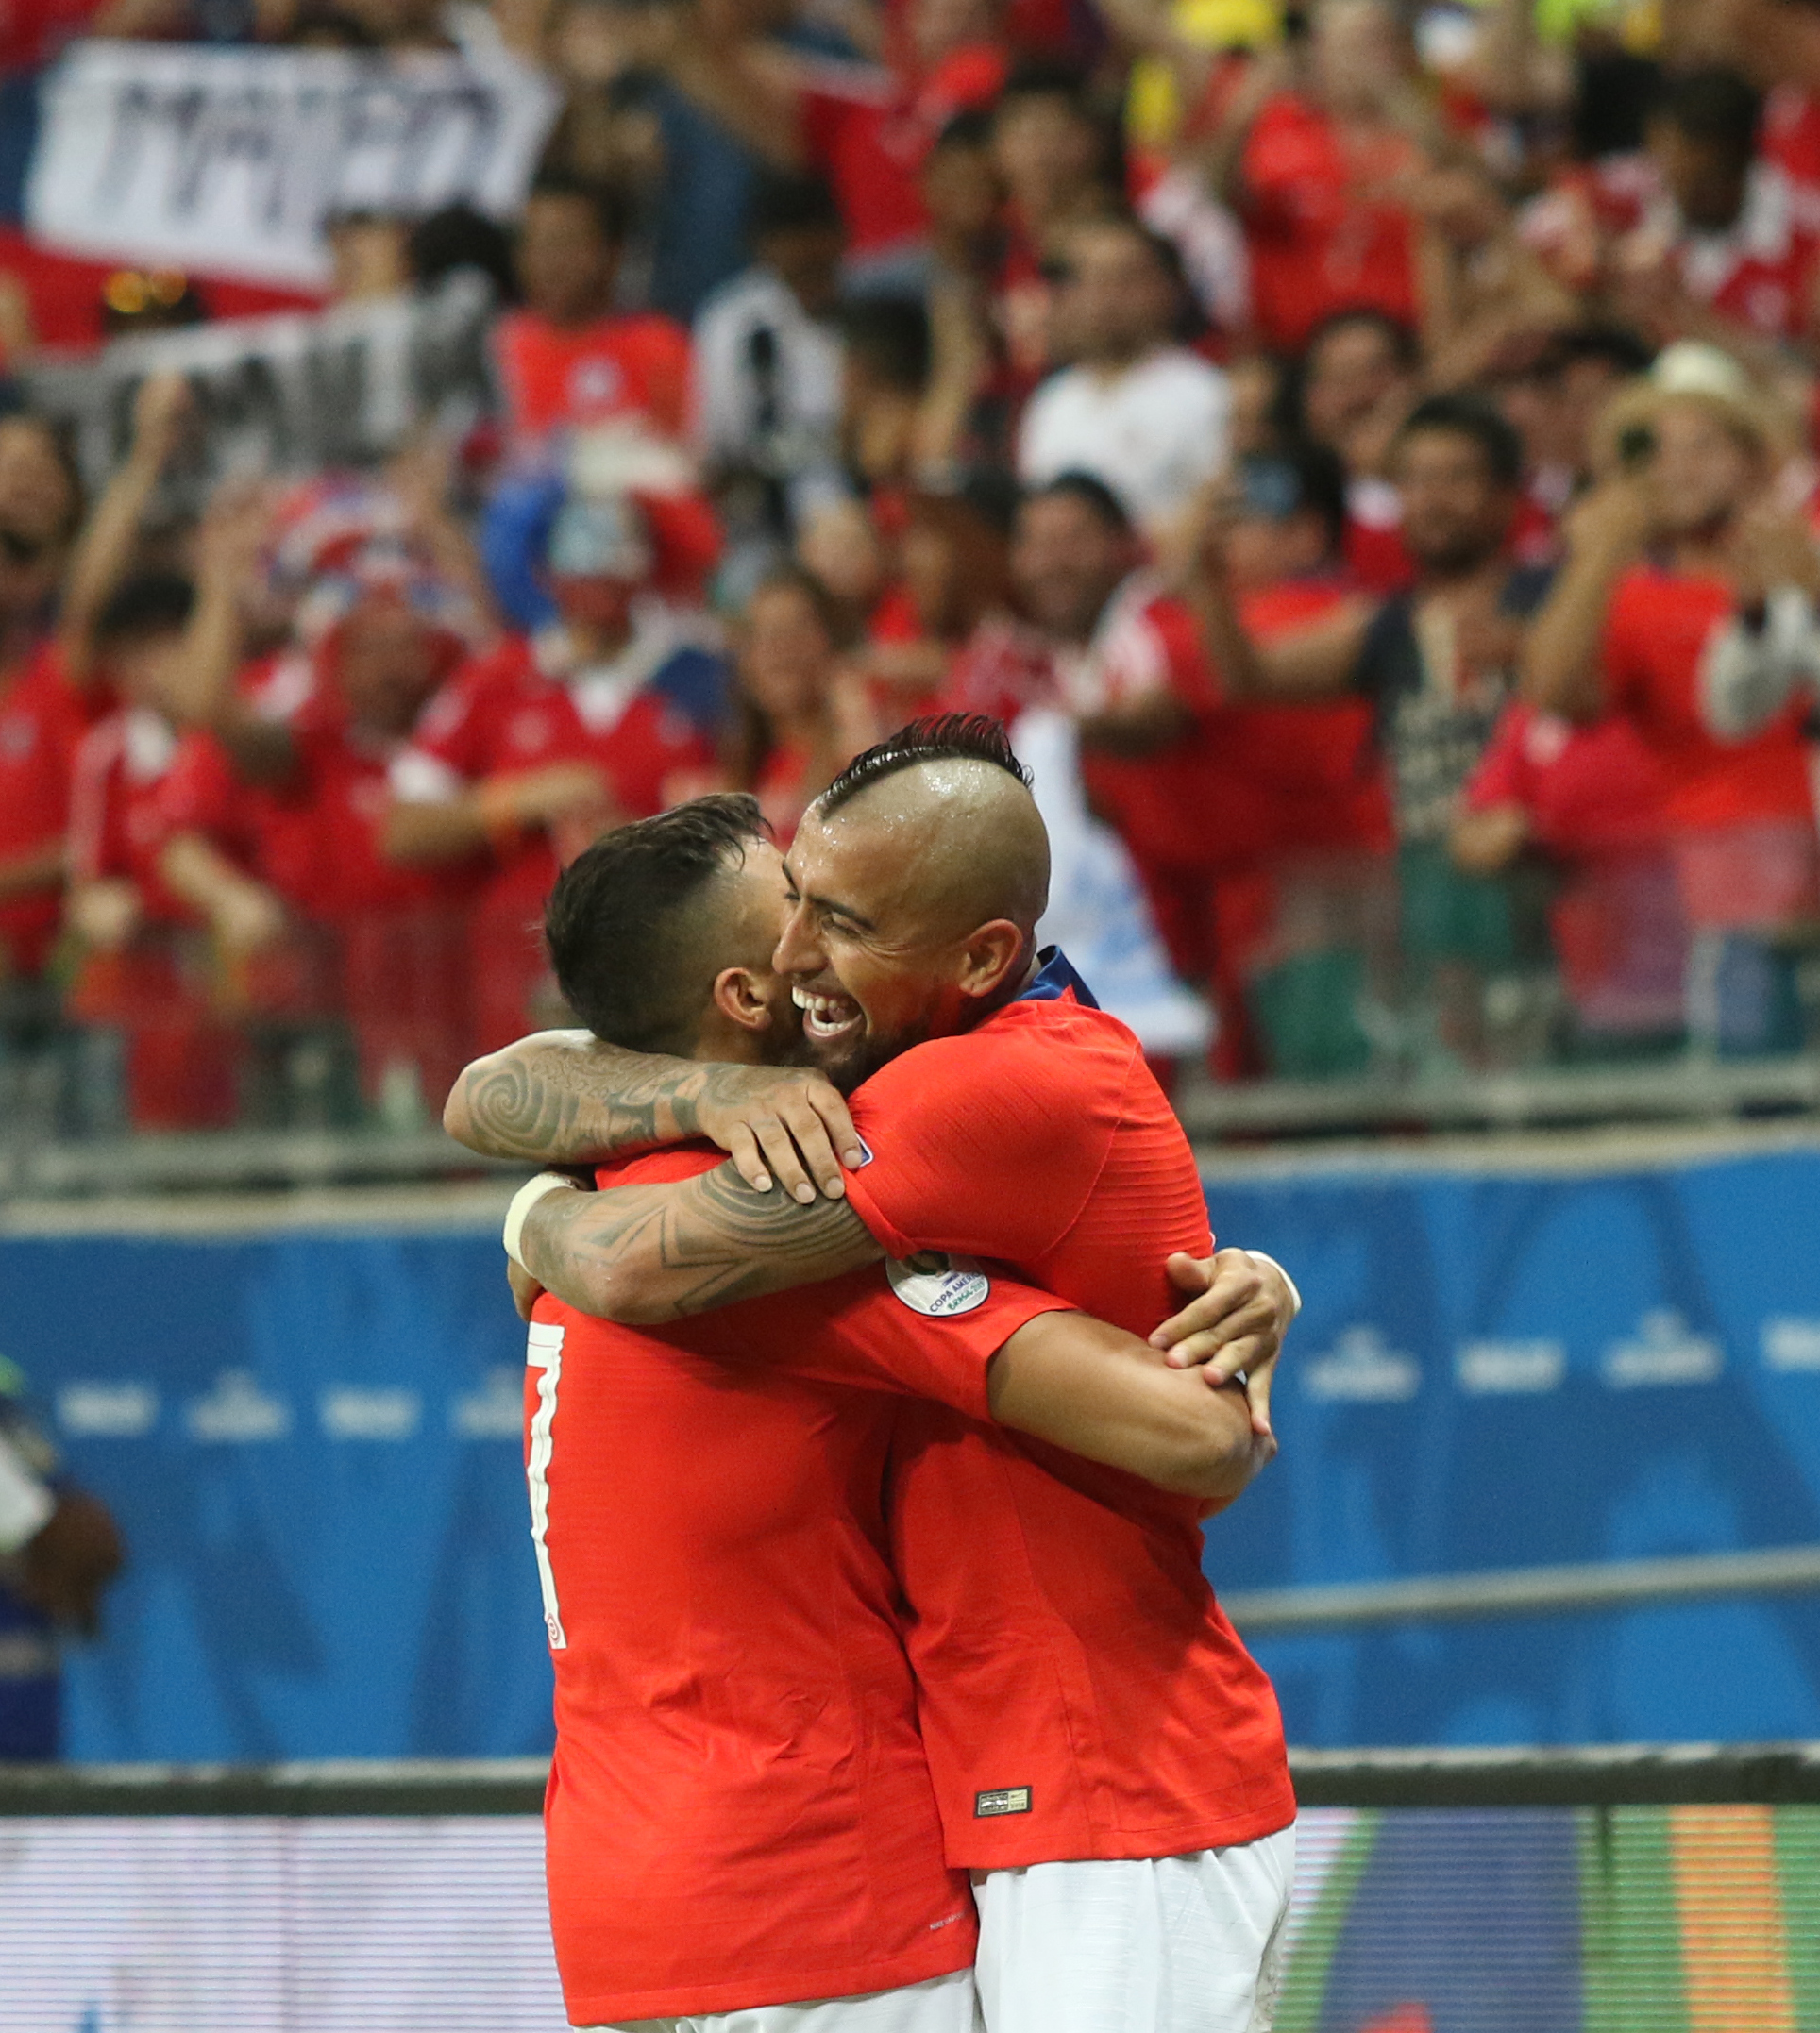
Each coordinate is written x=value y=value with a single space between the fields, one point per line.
x=646 y=1254
x=567 y=1099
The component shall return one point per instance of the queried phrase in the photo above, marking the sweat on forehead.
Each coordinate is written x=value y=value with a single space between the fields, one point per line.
x=965 y=837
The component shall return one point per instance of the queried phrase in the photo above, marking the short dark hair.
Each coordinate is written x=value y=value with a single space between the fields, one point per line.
x=1715 y=106
x=943 y=737
x=890 y=335
x=1093 y=493
x=1471 y=417
x=460 y=237
x=785 y=203
x=1404 y=346
x=148 y=604
x=1618 y=347
x=612 y=213
x=971 y=127
x=623 y=924
x=1049 y=77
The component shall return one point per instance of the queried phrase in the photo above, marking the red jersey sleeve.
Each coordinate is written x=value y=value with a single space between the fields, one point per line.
x=1502 y=776
x=927 y=1333
x=915 y=1334
x=988 y=1144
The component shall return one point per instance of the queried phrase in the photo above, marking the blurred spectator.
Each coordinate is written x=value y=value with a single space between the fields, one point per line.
x=529 y=752
x=567 y=359
x=41 y=718
x=60 y=1549
x=1137 y=409
x=1324 y=176
x=1360 y=374
x=955 y=564
x=767 y=364
x=1590 y=802
x=371 y=253
x=1438 y=664
x=797 y=723
x=1682 y=528
x=886 y=373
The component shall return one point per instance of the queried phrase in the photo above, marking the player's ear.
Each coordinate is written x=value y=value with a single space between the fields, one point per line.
x=743 y=996
x=989 y=956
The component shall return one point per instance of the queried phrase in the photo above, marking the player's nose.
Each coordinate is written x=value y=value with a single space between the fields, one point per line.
x=796 y=950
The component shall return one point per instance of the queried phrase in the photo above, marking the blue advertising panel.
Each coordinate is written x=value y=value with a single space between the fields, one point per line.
x=311 y=1438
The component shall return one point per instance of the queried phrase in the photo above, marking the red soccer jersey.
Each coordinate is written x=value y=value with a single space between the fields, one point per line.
x=1321 y=238
x=739 y=1811
x=118 y=818
x=1656 y=630
x=40 y=721
x=1082 y=1693
x=868 y=131
x=554 y=377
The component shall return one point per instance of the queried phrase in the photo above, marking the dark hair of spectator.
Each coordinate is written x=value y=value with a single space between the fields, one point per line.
x=459 y=237
x=611 y=212
x=1714 y=106
x=1617 y=346
x=889 y=337
x=782 y=203
x=971 y=127
x=147 y=605
x=1613 y=91
x=946 y=737
x=625 y=921
x=317 y=26
x=1405 y=346
x=1319 y=477
x=1093 y=493
x=1471 y=417
x=1049 y=77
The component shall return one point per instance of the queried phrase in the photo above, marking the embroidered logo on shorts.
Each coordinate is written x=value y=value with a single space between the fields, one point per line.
x=1002 y=1800
x=938 y=1286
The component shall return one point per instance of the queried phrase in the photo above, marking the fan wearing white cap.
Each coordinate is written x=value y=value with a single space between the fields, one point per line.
x=1685 y=541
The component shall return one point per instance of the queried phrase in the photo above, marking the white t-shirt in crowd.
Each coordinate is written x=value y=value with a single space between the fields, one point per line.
x=1153 y=433
x=766 y=382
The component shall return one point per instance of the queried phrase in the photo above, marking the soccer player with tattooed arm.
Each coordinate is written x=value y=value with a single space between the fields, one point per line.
x=1108 y=1759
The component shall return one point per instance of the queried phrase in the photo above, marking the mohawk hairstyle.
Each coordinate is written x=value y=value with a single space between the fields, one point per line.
x=971 y=737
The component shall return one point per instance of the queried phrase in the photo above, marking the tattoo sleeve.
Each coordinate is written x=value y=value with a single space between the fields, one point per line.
x=565 y=1097
x=646 y=1254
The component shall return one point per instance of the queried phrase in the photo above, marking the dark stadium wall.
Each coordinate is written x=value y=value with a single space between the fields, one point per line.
x=311 y=1439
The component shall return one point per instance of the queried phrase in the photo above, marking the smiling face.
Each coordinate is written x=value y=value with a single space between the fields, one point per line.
x=910 y=912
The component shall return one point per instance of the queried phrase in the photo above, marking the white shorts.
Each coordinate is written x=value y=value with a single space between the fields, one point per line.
x=1177 y=1944
x=939 y=2004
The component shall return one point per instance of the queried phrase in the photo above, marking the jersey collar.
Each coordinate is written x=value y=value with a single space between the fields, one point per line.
x=1054 y=978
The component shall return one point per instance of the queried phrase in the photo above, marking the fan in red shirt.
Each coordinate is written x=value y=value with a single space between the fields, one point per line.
x=1083 y=1697
x=868 y=128
x=531 y=750
x=143 y=972
x=567 y=359
x=1319 y=182
x=1661 y=557
x=743 y=1456
x=1589 y=799
x=40 y=710
x=290 y=781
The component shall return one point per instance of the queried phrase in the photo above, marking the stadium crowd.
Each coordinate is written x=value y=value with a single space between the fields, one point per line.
x=1376 y=442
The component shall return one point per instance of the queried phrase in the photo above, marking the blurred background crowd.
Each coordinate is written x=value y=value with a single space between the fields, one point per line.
x=1365 y=450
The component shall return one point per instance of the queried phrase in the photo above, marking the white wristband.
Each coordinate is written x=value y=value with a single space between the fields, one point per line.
x=1258 y=1257
x=523 y=1200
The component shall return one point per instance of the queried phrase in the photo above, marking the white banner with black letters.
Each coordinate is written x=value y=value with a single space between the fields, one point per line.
x=226 y=162
x=288 y=395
